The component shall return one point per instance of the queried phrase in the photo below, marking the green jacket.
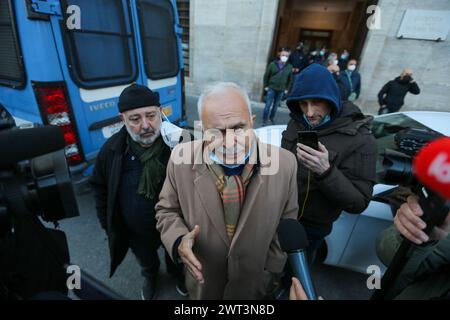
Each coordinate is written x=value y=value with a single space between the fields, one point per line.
x=427 y=273
x=278 y=80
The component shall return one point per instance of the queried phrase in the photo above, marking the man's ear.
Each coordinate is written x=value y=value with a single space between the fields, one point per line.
x=253 y=117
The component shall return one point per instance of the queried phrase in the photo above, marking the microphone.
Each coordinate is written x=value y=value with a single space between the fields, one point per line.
x=293 y=241
x=22 y=144
x=432 y=166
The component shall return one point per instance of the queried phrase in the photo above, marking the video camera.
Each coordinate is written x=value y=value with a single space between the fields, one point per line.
x=35 y=185
x=398 y=169
x=34 y=176
x=398 y=163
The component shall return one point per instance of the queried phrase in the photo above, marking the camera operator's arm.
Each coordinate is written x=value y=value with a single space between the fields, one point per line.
x=410 y=225
x=428 y=258
x=99 y=185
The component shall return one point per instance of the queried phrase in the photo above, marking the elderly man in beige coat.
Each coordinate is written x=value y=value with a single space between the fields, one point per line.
x=222 y=201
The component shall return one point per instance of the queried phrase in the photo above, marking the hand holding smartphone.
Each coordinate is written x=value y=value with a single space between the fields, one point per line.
x=308 y=138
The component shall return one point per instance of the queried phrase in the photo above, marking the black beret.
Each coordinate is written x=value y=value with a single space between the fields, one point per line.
x=137 y=96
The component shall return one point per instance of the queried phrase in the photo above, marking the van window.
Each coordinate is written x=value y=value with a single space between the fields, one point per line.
x=159 y=40
x=102 y=52
x=12 y=72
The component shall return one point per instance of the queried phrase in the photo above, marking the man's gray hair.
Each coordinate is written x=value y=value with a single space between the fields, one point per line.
x=219 y=87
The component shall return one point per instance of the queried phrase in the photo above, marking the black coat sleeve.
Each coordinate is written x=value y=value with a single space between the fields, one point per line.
x=99 y=184
x=414 y=88
x=382 y=93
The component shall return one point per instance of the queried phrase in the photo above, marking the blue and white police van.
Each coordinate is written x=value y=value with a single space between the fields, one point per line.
x=65 y=63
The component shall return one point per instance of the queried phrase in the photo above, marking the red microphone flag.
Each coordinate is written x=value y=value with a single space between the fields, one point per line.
x=432 y=166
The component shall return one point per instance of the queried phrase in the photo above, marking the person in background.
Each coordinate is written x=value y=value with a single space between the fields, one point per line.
x=335 y=72
x=351 y=79
x=298 y=58
x=392 y=96
x=277 y=81
x=343 y=59
x=332 y=59
x=323 y=55
x=313 y=56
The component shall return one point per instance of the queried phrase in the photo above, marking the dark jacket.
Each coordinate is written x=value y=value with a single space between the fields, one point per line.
x=343 y=89
x=348 y=184
x=352 y=85
x=298 y=59
x=343 y=64
x=105 y=181
x=276 y=79
x=393 y=93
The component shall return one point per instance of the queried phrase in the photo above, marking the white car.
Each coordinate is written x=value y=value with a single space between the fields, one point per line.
x=352 y=243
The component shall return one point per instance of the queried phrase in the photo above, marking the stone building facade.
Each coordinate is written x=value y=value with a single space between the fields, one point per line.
x=233 y=40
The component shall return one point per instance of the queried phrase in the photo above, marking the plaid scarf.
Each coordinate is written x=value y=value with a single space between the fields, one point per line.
x=232 y=192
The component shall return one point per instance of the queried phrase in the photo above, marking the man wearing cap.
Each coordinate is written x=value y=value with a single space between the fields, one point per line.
x=127 y=179
x=339 y=175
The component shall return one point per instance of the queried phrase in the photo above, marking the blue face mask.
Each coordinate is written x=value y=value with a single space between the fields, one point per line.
x=216 y=159
x=324 y=121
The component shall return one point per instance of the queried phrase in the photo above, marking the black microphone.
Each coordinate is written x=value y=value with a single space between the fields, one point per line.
x=23 y=144
x=293 y=241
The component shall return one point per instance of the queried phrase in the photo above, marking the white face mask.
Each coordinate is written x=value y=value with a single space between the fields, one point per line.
x=335 y=62
x=170 y=133
x=284 y=59
x=352 y=67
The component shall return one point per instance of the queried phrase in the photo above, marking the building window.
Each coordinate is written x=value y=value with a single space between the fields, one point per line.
x=102 y=53
x=159 y=40
x=183 y=13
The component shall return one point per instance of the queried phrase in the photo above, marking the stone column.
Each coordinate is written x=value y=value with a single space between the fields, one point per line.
x=231 y=40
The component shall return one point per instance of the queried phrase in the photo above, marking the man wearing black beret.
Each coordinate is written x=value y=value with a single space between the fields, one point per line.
x=127 y=179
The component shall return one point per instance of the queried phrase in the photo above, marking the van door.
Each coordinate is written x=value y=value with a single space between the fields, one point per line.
x=98 y=60
x=159 y=36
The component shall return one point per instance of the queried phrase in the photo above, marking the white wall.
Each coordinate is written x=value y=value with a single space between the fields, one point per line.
x=230 y=41
x=384 y=57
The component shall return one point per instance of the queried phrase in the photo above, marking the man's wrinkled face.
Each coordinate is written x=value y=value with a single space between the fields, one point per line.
x=315 y=110
x=228 y=126
x=143 y=124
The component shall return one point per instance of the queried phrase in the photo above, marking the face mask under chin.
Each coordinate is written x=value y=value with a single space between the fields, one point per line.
x=213 y=156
